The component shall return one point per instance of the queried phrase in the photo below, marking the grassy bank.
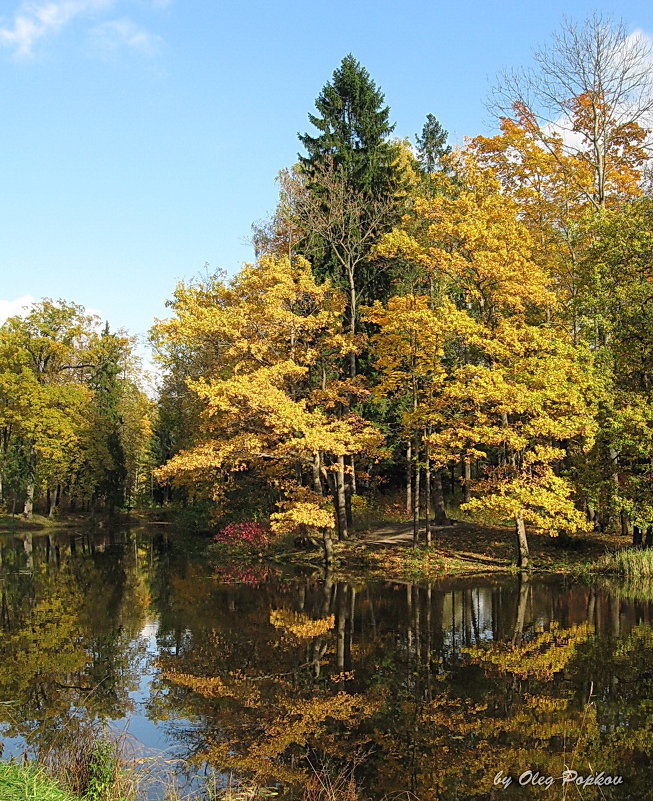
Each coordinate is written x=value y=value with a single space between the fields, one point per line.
x=629 y=563
x=110 y=781
x=29 y=783
x=385 y=550
x=12 y=523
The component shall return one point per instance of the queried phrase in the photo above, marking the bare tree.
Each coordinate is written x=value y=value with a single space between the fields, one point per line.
x=592 y=85
x=345 y=220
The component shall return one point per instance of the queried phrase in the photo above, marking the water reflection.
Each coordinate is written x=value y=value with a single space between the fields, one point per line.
x=382 y=687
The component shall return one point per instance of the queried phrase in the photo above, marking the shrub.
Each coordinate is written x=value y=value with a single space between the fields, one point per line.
x=254 y=536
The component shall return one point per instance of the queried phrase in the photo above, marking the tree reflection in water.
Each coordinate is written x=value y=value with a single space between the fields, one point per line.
x=383 y=687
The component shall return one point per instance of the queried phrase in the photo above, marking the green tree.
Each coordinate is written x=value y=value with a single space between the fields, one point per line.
x=615 y=298
x=352 y=186
x=108 y=391
x=353 y=127
x=432 y=144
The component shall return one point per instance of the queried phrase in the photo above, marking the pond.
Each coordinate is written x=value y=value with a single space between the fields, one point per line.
x=477 y=687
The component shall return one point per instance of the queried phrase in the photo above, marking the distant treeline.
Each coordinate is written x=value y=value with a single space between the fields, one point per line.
x=75 y=426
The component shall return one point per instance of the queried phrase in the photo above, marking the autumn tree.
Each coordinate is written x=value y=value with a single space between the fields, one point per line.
x=573 y=148
x=409 y=349
x=344 y=218
x=272 y=403
x=61 y=386
x=527 y=398
x=591 y=86
x=500 y=366
x=50 y=359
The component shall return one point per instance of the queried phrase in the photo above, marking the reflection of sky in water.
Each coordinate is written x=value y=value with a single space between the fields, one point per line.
x=146 y=739
x=142 y=738
x=138 y=731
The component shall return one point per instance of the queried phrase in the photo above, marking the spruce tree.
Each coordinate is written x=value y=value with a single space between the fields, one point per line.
x=354 y=130
x=354 y=183
x=432 y=144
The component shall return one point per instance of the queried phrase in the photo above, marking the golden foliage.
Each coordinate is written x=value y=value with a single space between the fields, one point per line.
x=542 y=657
x=300 y=625
x=271 y=337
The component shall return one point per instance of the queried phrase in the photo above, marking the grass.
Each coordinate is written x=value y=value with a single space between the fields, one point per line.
x=29 y=783
x=114 y=781
x=92 y=765
x=12 y=523
x=19 y=523
x=630 y=563
x=89 y=765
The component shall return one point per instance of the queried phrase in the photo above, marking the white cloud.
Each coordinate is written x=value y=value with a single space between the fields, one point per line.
x=574 y=141
x=120 y=33
x=37 y=20
x=19 y=306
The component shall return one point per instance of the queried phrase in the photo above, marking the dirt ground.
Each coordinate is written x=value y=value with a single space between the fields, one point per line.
x=463 y=547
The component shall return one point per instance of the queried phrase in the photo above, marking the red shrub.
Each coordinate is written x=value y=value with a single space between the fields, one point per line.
x=252 y=535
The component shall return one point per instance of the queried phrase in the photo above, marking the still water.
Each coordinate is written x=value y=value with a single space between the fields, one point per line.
x=469 y=688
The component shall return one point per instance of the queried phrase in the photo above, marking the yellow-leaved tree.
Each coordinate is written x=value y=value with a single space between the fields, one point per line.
x=492 y=379
x=409 y=354
x=524 y=404
x=272 y=404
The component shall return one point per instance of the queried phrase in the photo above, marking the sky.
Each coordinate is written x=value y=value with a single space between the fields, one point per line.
x=139 y=139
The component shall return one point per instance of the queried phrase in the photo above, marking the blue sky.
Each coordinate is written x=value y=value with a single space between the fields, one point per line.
x=139 y=139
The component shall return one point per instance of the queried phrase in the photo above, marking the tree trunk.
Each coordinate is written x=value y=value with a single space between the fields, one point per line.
x=522 y=542
x=614 y=460
x=439 y=514
x=341 y=619
x=327 y=546
x=637 y=537
x=648 y=542
x=341 y=503
x=416 y=493
x=348 y=494
x=467 y=485
x=317 y=482
x=409 y=478
x=427 y=497
x=352 y=321
x=54 y=502
x=31 y=478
